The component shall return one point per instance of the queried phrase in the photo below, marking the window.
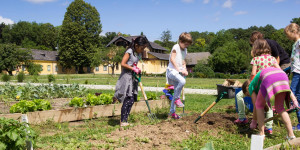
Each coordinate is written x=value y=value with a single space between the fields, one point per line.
x=117 y=66
x=56 y=69
x=42 y=68
x=23 y=68
x=49 y=68
x=105 y=68
x=97 y=68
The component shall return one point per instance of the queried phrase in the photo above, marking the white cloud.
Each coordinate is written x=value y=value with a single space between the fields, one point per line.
x=6 y=20
x=205 y=1
x=278 y=1
x=227 y=4
x=40 y=1
x=240 y=13
x=187 y=1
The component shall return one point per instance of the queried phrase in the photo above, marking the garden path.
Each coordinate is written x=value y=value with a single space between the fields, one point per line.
x=112 y=87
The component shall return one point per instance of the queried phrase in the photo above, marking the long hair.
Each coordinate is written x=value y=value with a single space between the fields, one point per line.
x=260 y=46
x=256 y=35
x=140 y=41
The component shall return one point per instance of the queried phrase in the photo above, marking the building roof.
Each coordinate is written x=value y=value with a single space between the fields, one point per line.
x=160 y=55
x=129 y=40
x=44 y=55
x=193 y=58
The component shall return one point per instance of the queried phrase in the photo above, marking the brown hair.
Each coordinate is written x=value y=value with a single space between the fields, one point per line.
x=260 y=46
x=256 y=35
x=185 y=37
x=245 y=86
x=292 y=28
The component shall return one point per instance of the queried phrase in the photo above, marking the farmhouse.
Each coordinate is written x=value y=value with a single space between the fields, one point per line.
x=155 y=60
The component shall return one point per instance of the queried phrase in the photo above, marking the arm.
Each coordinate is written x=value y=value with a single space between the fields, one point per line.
x=276 y=65
x=278 y=60
x=173 y=60
x=253 y=72
x=184 y=72
x=124 y=62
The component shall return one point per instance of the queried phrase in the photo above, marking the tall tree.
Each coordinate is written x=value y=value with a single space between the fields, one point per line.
x=12 y=57
x=296 y=20
x=79 y=36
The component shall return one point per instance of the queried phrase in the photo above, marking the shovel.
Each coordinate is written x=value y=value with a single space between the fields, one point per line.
x=289 y=111
x=183 y=100
x=151 y=116
x=212 y=105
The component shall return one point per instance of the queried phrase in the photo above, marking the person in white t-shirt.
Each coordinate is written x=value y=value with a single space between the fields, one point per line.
x=177 y=70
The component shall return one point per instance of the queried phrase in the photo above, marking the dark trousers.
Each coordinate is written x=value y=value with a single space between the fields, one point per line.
x=126 y=107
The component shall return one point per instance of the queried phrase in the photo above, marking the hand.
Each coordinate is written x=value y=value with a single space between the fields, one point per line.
x=295 y=104
x=185 y=73
x=136 y=70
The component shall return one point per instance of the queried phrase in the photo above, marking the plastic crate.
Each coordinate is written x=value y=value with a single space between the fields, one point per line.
x=247 y=101
x=229 y=89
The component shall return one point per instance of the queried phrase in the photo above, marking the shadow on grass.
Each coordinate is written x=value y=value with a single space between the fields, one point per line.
x=113 y=121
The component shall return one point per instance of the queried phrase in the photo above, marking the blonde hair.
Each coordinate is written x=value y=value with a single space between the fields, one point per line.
x=260 y=46
x=292 y=28
x=256 y=35
x=185 y=37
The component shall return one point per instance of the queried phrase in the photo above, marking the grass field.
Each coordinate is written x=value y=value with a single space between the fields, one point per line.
x=82 y=135
x=196 y=83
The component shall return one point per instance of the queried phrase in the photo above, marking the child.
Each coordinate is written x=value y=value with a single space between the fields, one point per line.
x=261 y=52
x=241 y=106
x=127 y=85
x=272 y=84
x=177 y=69
x=293 y=33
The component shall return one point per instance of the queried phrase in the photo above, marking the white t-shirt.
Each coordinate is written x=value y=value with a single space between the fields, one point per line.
x=180 y=56
x=296 y=57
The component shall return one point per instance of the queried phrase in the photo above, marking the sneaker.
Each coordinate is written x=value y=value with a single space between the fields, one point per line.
x=290 y=137
x=178 y=103
x=269 y=131
x=241 y=121
x=297 y=128
x=124 y=124
x=175 y=116
x=253 y=124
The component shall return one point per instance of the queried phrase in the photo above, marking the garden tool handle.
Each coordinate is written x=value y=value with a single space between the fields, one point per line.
x=274 y=117
x=145 y=96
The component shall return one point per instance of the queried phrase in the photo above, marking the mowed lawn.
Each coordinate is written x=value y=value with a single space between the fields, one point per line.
x=196 y=83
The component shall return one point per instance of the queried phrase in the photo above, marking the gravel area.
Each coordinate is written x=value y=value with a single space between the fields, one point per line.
x=112 y=87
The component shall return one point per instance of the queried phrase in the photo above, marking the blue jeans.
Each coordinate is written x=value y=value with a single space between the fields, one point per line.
x=295 y=87
x=174 y=78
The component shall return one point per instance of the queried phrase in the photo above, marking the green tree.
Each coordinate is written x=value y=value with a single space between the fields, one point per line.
x=222 y=37
x=280 y=37
x=12 y=57
x=166 y=37
x=79 y=36
x=296 y=20
x=228 y=59
x=107 y=38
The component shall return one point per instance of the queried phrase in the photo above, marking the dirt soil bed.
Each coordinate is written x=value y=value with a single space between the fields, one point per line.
x=161 y=135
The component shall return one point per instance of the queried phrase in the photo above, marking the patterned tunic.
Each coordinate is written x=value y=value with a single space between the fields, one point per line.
x=296 y=57
x=274 y=81
x=263 y=61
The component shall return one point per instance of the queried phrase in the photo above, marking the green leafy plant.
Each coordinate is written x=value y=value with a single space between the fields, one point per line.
x=76 y=102
x=51 y=78
x=93 y=100
x=23 y=106
x=21 y=76
x=13 y=134
x=5 y=77
x=106 y=98
x=151 y=96
x=42 y=104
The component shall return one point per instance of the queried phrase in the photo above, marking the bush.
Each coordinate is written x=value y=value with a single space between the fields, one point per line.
x=21 y=76
x=15 y=134
x=51 y=78
x=35 y=79
x=76 y=102
x=5 y=77
x=34 y=69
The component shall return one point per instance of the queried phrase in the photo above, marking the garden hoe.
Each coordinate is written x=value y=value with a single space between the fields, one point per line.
x=151 y=116
x=212 y=105
x=183 y=100
x=274 y=117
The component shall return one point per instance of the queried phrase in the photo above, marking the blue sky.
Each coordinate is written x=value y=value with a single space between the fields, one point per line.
x=152 y=17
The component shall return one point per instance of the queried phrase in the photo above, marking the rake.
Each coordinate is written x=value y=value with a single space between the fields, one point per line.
x=289 y=111
x=183 y=100
x=212 y=105
x=151 y=116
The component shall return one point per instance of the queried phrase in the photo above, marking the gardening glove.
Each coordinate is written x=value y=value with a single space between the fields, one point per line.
x=136 y=70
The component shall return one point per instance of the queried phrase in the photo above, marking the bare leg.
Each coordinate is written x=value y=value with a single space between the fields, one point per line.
x=287 y=122
x=260 y=119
